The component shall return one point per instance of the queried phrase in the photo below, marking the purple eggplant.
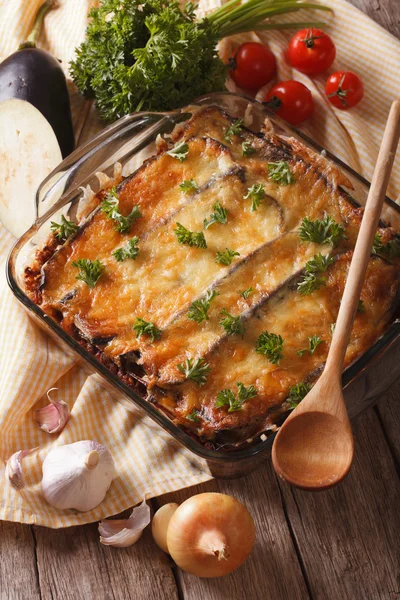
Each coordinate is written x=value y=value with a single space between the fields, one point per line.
x=34 y=75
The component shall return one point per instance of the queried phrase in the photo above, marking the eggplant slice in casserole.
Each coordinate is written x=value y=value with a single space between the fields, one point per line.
x=219 y=308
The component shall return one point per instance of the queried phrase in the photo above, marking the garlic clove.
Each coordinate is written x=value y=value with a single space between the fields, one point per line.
x=13 y=470
x=77 y=475
x=54 y=417
x=125 y=532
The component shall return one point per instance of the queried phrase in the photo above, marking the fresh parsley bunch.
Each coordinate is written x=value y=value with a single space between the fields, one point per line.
x=153 y=55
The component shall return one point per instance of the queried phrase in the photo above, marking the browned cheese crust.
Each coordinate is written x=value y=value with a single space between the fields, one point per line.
x=160 y=285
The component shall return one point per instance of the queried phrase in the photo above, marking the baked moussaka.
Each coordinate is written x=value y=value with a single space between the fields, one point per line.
x=210 y=279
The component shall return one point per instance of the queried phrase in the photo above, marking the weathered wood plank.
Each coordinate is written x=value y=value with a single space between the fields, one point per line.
x=273 y=569
x=384 y=12
x=74 y=565
x=388 y=411
x=348 y=536
x=18 y=572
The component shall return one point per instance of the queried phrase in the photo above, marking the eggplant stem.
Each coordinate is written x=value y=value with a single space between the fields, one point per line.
x=38 y=24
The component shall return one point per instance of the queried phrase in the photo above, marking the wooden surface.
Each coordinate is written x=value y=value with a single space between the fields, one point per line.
x=342 y=544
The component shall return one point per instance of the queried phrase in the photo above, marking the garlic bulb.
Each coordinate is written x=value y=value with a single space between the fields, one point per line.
x=122 y=533
x=77 y=475
x=53 y=417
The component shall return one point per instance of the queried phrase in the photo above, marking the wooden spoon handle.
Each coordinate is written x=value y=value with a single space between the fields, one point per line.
x=362 y=251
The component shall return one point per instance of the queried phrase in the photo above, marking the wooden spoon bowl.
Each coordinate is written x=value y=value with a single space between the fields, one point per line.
x=306 y=458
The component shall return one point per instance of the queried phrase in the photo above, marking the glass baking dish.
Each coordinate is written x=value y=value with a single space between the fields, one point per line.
x=129 y=141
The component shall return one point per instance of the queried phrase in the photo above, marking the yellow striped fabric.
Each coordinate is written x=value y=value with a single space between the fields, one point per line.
x=148 y=462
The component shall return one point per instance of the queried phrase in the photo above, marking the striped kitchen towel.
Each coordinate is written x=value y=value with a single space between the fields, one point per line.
x=148 y=462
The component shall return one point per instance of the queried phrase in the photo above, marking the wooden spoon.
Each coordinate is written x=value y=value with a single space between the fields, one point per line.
x=314 y=448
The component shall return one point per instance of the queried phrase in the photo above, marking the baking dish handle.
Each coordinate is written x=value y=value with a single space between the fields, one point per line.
x=98 y=154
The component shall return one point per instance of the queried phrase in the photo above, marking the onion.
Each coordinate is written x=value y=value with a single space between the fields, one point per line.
x=210 y=535
x=160 y=522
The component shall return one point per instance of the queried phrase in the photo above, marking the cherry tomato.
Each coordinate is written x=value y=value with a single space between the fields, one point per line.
x=253 y=65
x=344 y=89
x=311 y=51
x=291 y=100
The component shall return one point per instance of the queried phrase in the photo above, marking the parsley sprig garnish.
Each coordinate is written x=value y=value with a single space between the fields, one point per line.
x=246 y=293
x=110 y=206
x=179 y=151
x=324 y=231
x=256 y=193
x=297 y=393
x=189 y=185
x=195 y=369
x=130 y=250
x=193 y=416
x=389 y=250
x=314 y=341
x=198 y=310
x=280 y=173
x=90 y=271
x=228 y=398
x=234 y=129
x=220 y=215
x=63 y=230
x=312 y=281
x=190 y=238
x=143 y=327
x=247 y=149
x=232 y=325
x=225 y=257
x=271 y=345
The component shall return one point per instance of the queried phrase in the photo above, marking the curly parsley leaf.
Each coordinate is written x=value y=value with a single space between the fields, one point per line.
x=319 y=263
x=360 y=307
x=309 y=283
x=179 y=151
x=314 y=341
x=63 y=230
x=195 y=369
x=246 y=293
x=256 y=193
x=130 y=250
x=143 y=327
x=198 y=310
x=232 y=325
x=297 y=393
x=228 y=398
x=189 y=185
x=247 y=149
x=110 y=206
x=193 y=416
x=280 y=173
x=190 y=238
x=234 y=129
x=271 y=345
x=226 y=257
x=324 y=231
x=220 y=215
x=312 y=280
x=389 y=250
x=90 y=271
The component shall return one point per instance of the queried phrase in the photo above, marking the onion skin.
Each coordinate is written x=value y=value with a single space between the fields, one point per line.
x=210 y=535
x=160 y=523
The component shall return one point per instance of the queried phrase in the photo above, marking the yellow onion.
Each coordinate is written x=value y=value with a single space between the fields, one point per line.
x=210 y=535
x=160 y=522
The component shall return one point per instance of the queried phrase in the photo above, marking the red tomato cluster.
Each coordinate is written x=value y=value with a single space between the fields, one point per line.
x=311 y=51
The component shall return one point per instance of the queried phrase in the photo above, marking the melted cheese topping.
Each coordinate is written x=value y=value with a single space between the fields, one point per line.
x=160 y=285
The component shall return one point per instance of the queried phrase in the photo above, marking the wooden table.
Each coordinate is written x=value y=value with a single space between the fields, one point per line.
x=335 y=545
